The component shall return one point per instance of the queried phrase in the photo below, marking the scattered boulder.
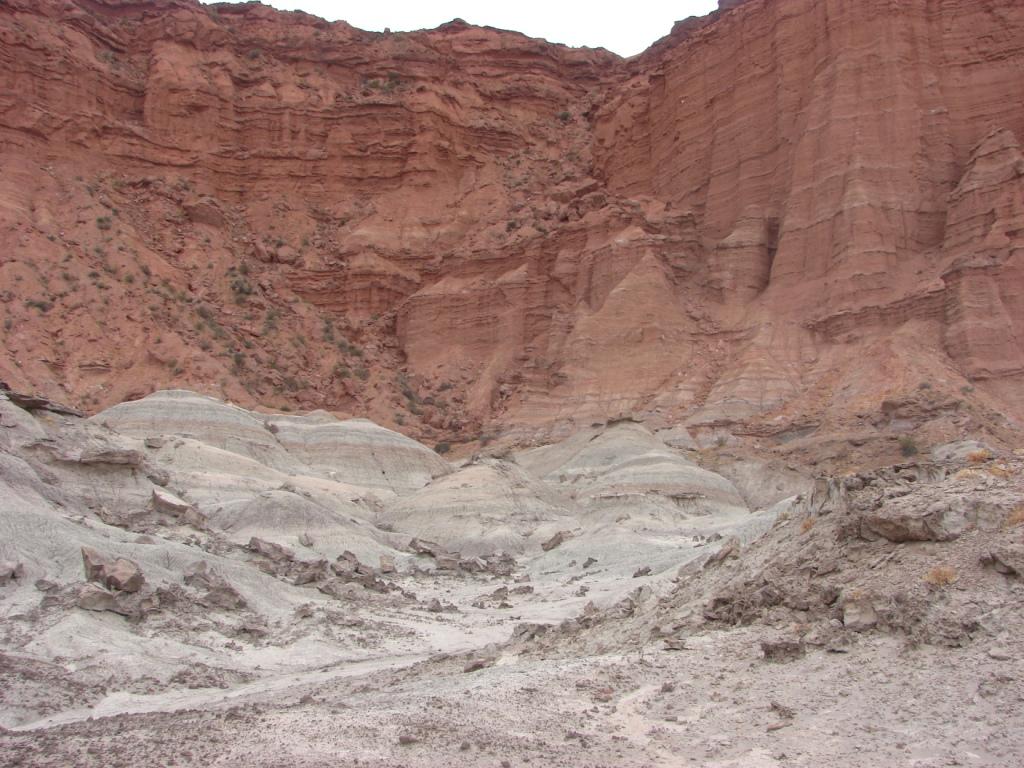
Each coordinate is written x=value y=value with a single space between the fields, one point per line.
x=254 y=628
x=473 y=565
x=859 y=614
x=121 y=574
x=11 y=571
x=476 y=665
x=387 y=564
x=167 y=503
x=447 y=562
x=557 y=540
x=498 y=597
x=339 y=589
x=306 y=540
x=500 y=563
x=270 y=550
x=527 y=631
x=307 y=572
x=644 y=571
x=782 y=650
x=93 y=597
x=348 y=569
x=428 y=548
x=731 y=548
x=204 y=210
x=1007 y=559
x=942 y=521
x=219 y=592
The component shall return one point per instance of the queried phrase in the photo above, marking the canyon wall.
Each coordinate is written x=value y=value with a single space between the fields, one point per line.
x=796 y=222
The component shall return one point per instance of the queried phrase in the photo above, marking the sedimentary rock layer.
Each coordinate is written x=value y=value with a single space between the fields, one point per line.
x=781 y=220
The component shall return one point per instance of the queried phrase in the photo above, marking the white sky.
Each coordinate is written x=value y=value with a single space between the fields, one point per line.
x=626 y=28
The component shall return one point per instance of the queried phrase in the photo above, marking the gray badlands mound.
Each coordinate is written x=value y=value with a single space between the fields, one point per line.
x=283 y=589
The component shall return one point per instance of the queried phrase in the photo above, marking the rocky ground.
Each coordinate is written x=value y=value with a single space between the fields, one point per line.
x=186 y=582
x=688 y=389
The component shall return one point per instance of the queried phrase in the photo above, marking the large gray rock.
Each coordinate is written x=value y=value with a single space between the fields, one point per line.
x=859 y=614
x=941 y=520
x=1007 y=559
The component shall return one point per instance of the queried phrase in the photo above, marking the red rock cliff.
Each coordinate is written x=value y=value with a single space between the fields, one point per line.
x=792 y=218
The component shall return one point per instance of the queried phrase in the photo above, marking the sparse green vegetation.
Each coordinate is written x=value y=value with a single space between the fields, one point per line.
x=908 y=447
x=242 y=289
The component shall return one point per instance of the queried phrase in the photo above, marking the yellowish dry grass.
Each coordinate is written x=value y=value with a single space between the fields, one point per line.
x=1015 y=518
x=941 y=576
x=968 y=474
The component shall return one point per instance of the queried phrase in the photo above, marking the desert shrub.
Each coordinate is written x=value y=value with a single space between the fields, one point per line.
x=443 y=447
x=808 y=523
x=908 y=447
x=977 y=457
x=242 y=289
x=941 y=576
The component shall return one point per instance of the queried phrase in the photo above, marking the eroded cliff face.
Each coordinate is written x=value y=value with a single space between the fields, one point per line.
x=798 y=222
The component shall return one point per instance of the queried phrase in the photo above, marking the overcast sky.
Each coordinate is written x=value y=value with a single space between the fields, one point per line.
x=626 y=28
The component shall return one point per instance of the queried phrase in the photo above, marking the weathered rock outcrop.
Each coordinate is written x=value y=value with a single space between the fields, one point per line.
x=776 y=220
